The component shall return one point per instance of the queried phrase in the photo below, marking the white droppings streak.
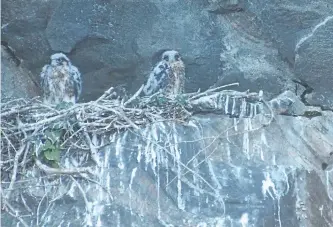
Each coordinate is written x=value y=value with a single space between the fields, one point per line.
x=287 y=182
x=118 y=154
x=246 y=142
x=150 y=152
x=321 y=210
x=202 y=224
x=4 y=26
x=130 y=187
x=121 y=187
x=227 y=146
x=226 y=107
x=147 y=147
x=274 y=160
x=327 y=185
x=154 y=149
x=88 y=220
x=279 y=212
x=266 y=185
x=94 y=140
x=244 y=220
x=99 y=222
x=154 y=132
x=71 y=190
x=106 y=158
x=261 y=94
x=306 y=37
x=250 y=128
x=118 y=220
x=112 y=138
x=139 y=153
x=251 y=110
x=263 y=142
x=195 y=178
x=233 y=106
x=158 y=193
x=108 y=182
x=262 y=153
x=60 y=224
x=243 y=108
x=211 y=171
x=235 y=124
x=263 y=138
x=177 y=152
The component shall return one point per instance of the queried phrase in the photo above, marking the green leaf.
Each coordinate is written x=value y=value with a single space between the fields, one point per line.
x=47 y=145
x=52 y=154
x=54 y=164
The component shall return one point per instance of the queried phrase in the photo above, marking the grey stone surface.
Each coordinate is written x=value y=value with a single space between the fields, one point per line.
x=112 y=43
x=16 y=82
x=313 y=62
x=264 y=45
x=302 y=30
x=261 y=44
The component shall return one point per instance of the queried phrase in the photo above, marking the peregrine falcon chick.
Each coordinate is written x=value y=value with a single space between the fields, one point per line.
x=167 y=76
x=60 y=81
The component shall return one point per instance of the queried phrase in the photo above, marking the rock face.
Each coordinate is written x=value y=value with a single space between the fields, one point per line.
x=16 y=82
x=301 y=31
x=271 y=176
x=262 y=44
x=112 y=43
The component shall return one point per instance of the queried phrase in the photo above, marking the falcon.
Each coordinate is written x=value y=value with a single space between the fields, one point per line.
x=60 y=81
x=168 y=75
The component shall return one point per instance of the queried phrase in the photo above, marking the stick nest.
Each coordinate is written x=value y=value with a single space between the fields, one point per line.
x=33 y=134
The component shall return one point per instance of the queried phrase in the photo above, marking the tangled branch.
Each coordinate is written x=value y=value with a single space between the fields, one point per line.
x=33 y=134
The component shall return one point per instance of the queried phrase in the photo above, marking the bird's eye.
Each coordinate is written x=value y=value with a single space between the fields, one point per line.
x=177 y=57
x=166 y=57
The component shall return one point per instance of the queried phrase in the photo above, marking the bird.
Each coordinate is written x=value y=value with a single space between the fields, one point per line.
x=167 y=76
x=60 y=81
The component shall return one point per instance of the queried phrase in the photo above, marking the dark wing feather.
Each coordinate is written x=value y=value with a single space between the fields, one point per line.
x=77 y=82
x=158 y=78
x=44 y=79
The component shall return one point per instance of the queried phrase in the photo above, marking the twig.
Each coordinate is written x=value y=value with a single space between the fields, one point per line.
x=16 y=159
x=212 y=90
x=39 y=205
x=50 y=170
x=106 y=93
x=122 y=115
x=25 y=204
x=134 y=96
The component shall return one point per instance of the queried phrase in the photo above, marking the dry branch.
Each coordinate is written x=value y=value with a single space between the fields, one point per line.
x=26 y=125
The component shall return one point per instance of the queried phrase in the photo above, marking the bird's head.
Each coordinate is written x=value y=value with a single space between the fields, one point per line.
x=171 y=56
x=59 y=59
